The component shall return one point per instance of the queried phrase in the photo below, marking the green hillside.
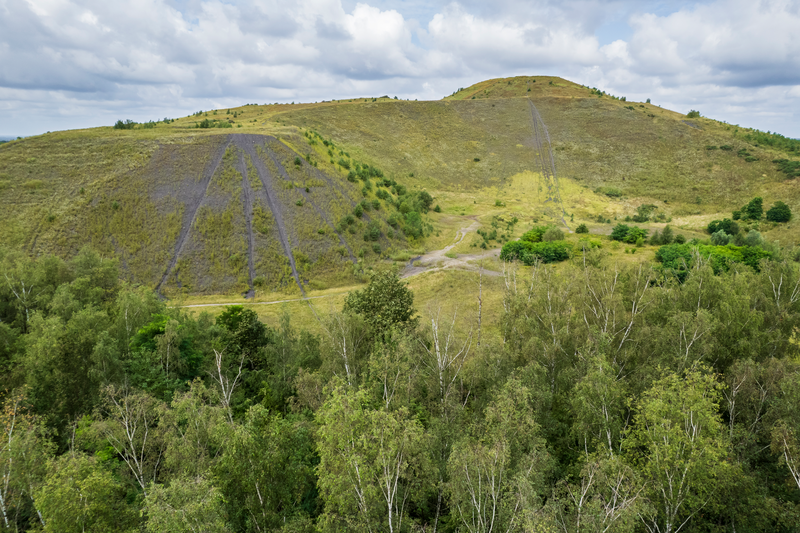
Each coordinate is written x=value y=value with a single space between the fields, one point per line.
x=262 y=204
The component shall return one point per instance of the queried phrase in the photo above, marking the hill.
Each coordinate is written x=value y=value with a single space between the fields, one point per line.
x=191 y=205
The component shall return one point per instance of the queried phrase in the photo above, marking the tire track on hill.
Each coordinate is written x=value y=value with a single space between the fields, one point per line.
x=211 y=169
x=247 y=143
x=547 y=164
x=247 y=194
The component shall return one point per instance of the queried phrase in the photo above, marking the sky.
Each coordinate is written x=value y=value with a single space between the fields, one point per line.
x=68 y=64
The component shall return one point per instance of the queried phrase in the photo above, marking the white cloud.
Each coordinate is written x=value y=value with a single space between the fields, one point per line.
x=92 y=60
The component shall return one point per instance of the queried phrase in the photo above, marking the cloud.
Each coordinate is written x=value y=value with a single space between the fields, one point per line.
x=91 y=60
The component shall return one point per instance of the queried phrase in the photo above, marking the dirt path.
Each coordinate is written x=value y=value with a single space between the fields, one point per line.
x=247 y=143
x=547 y=164
x=303 y=299
x=247 y=194
x=191 y=210
x=437 y=260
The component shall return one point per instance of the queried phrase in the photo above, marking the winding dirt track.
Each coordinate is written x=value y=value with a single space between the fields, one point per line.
x=437 y=260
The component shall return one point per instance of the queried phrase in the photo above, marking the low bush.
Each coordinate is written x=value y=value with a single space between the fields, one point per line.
x=552 y=235
x=582 y=229
x=779 y=212
x=611 y=192
x=628 y=234
x=727 y=225
x=531 y=252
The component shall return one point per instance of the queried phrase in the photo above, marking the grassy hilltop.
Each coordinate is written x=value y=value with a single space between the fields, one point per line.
x=268 y=201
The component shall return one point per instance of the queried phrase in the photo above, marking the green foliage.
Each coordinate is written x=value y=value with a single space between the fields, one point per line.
x=373 y=231
x=553 y=234
x=788 y=167
x=679 y=257
x=532 y=252
x=753 y=210
x=385 y=303
x=779 y=212
x=727 y=225
x=720 y=238
x=535 y=234
x=693 y=114
x=611 y=192
x=582 y=228
x=127 y=125
x=630 y=235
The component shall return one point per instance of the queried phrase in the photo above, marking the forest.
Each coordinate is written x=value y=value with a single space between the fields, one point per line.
x=608 y=398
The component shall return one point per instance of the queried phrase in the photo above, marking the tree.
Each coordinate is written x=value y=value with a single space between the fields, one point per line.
x=131 y=425
x=754 y=209
x=497 y=473
x=582 y=229
x=679 y=447
x=80 y=496
x=384 y=303
x=265 y=471
x=779 y=212
x=185 y=505
x=371 y=463
x=24 y=452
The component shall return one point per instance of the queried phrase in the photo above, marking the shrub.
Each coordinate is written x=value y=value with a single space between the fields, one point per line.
x=611 y=192
x=754 y=239
x=373 y=231
x=535 y=234
x=297 y=161
x=726 y=147
x=790 y=168
x=779 y=212
x=680 y=239
x=127 y=125
x=376 y=204
x=531 y=252
x=754 y=209
x=720 y=238
x=344 y=163
x=619 y=232
x=553 y=234
x=582 y=229
x=376 y=248
x=727 y=225
x=358 y=211
x=693 y=114
x=667 y=235
x=437 y=209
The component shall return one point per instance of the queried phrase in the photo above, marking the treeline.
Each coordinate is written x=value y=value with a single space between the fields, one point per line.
x=606 y=399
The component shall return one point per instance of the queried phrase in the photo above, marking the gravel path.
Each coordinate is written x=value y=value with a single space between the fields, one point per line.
x=247 y=143
x=247 y=194
x=437 y=260
x=191 y=209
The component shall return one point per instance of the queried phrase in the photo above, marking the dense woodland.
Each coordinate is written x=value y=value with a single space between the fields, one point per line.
x=607 y=399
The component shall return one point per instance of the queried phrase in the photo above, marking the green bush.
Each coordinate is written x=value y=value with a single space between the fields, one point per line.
x=779 y=212
x=680 y=239
x=630 y=235
x=727 y=225
x=693 y=114
x=611 y=192
x=373 y=231
x=720 y=238
x=127 y=125
x=582 y=229
x=754 y=209
x=358 y=211
x=535 y=234
x=552 y=235
x=790 y=168
x=531 y=252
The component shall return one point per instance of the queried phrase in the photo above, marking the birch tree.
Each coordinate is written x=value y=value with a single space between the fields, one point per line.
x=371 y=463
